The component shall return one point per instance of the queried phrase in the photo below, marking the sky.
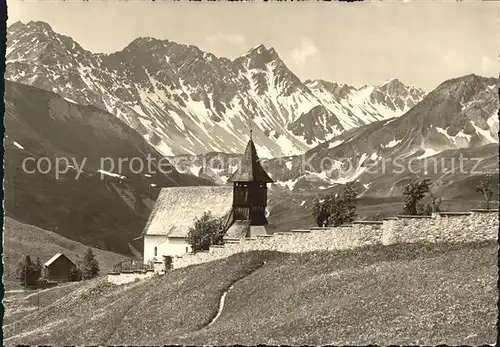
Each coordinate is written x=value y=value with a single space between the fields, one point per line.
x=420 y=43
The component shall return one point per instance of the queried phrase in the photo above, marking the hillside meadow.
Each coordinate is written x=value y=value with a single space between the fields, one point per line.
x=399 y=294
x=21 y=239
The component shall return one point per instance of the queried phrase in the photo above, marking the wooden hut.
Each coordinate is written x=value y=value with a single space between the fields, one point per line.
x=58 y=268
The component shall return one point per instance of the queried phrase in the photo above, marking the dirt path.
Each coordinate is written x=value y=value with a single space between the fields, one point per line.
x=222 y=299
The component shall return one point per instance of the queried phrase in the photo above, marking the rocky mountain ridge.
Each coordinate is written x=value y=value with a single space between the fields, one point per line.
x=186 y=101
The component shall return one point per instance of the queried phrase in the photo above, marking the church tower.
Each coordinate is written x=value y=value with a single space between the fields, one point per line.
x=249 y=195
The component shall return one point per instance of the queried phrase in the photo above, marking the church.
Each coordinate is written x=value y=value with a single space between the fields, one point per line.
x=176 y=209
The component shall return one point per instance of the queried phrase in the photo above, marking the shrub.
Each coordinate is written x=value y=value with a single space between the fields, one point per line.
x=335 y=210
x=377 y=217
x=435 y=202
x=424 y=209
x=75 y=274
x=90 y=266
x=207 y=231
x=413 y=193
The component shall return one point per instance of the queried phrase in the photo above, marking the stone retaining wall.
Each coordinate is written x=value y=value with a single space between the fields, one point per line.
x=476 y=225
x=128 y=276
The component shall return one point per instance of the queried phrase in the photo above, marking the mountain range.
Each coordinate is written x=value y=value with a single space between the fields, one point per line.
x=186 y=101
x=457 y=119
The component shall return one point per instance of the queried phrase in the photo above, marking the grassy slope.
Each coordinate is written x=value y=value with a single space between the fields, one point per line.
x=395 y=295
x=387 y=295
x=24 y=239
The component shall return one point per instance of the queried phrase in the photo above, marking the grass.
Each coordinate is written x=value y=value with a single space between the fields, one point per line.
x=401 y=294
x=24 y=239
x=18 y=304
x=386 y=295
x=149 y=311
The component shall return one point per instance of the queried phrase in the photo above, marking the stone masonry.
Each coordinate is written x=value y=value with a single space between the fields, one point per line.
x=449 y=227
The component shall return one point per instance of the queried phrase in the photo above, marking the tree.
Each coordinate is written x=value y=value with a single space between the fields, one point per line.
x=37 y=268
x=90 y=266
x=207 y=231
x=413 y=193
x=28 y=272
x=320 y=212
x=349 y=196
x=338 y=211
x=484 y=187
x=335 y=210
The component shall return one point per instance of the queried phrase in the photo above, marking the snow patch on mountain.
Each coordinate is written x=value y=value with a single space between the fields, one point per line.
x=290 y=184
x=335 y=143
x=486 y=134
x=111 y=174
x=391 y=144
x=18 y=145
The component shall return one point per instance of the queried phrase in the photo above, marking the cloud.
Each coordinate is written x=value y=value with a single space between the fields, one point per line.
x=232 y=39
x=305 y=51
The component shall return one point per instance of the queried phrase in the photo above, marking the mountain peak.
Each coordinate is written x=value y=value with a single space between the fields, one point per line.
x=39 y=25
x=261 y=49
x=392 y=82
x=16 y=25
x=259 y=56
x=142 y=41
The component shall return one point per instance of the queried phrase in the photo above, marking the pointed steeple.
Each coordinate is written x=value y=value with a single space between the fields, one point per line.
x=250 y=169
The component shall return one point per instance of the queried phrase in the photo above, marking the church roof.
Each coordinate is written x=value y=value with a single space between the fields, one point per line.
x=250 y=168
x=177 y=208
x=239 y=229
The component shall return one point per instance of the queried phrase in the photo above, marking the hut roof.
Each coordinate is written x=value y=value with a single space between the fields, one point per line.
x=177 y=208
x=250 y=168
x=55 y=257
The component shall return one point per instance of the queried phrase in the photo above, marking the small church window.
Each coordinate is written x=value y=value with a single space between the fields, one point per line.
x=156 y=251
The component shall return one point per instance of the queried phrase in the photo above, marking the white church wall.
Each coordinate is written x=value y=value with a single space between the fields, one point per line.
x=178 y=246
x=165 y=246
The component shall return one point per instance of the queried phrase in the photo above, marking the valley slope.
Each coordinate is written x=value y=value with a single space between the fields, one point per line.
x=103 y=209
